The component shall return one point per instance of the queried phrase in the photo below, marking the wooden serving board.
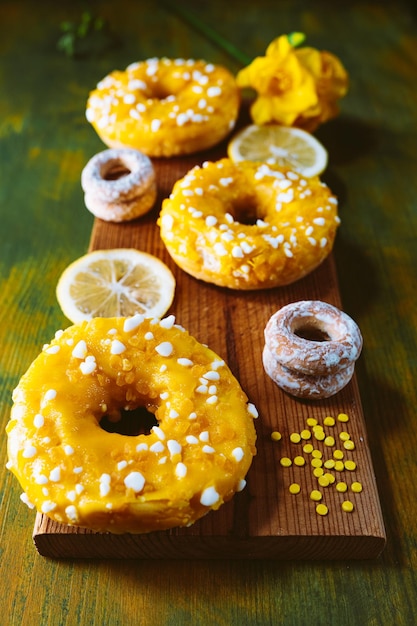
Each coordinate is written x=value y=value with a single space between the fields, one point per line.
x=265 y=521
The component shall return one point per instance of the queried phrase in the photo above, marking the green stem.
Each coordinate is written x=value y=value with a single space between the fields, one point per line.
x=209 y=33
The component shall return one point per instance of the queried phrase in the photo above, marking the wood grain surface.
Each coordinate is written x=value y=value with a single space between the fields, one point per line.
x=265 y=520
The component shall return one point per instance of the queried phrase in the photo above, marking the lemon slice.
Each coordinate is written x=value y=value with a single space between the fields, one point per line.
x=115 y=283
x=280 y=145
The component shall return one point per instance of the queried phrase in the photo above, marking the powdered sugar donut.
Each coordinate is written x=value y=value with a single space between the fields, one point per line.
x=303 y=385
x=313 y=337
x=311 y=348
x=119 y=184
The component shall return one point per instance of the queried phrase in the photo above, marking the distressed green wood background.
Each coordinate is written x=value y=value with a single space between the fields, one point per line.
x=45 y=142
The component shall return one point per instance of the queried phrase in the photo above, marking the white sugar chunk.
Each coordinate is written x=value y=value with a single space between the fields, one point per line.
x=209 y=497
x=165 y=348
x=135 y=481
x=117 y=347
x=80 y=350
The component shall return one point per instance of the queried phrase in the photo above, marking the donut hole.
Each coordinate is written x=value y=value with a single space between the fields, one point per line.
x=311 y=332
x=137 y=421
x=245 y=210
x=114 y=170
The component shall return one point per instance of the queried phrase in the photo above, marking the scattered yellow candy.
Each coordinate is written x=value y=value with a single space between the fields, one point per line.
x=316 y=462
x=299 y=460
x=324 y=480
x=317 y=428
x=330 y=477
x=341 y=487
x=350 y=465
x=316 y=495
x=321 y=509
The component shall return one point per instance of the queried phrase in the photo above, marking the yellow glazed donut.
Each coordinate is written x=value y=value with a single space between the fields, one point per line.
x=248 y=225
x=165 y=107
x=193 y=459
x=311 y=348
x=119 y=184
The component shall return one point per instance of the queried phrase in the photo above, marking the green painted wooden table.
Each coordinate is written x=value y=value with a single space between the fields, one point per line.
x=45 y=142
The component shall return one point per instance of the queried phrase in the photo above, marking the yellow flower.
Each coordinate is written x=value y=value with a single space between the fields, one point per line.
x=294 y=86
x=331 y=81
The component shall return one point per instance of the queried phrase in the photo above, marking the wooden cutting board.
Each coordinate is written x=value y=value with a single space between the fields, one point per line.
x=265 y=521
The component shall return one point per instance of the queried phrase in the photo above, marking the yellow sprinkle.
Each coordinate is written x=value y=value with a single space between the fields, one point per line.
x=347 y=506
x=350 y=465
x=311 y=421
x=329 y=464
x=299 y=460
x=318 y=471
x=316 y=462
x=316 y=495
x=329 y=421
x=349 y=445
x=344 y=436
x=276 y=436
x=331 y=478
x=295 y=438
x=317 y=427
x=317 y=454
x=338 y=454
x=294 y=488
x=341 y=487
x=324 y=480
x=329 y=441
x=339 y=466
x=285 y=461
x=342 y=417
x=305 y=434
x=356 y=487
x=308 y=448
x=319 y=435
x=321 y=509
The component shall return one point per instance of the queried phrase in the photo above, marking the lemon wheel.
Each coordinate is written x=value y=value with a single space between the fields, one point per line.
x=281 y=145
x=115 y=283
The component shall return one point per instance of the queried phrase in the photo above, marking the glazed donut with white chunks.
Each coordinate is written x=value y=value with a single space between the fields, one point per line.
x=119 y=184
x=165 y=107
x=311 y=348
x=248 y=225
x=194 y=458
